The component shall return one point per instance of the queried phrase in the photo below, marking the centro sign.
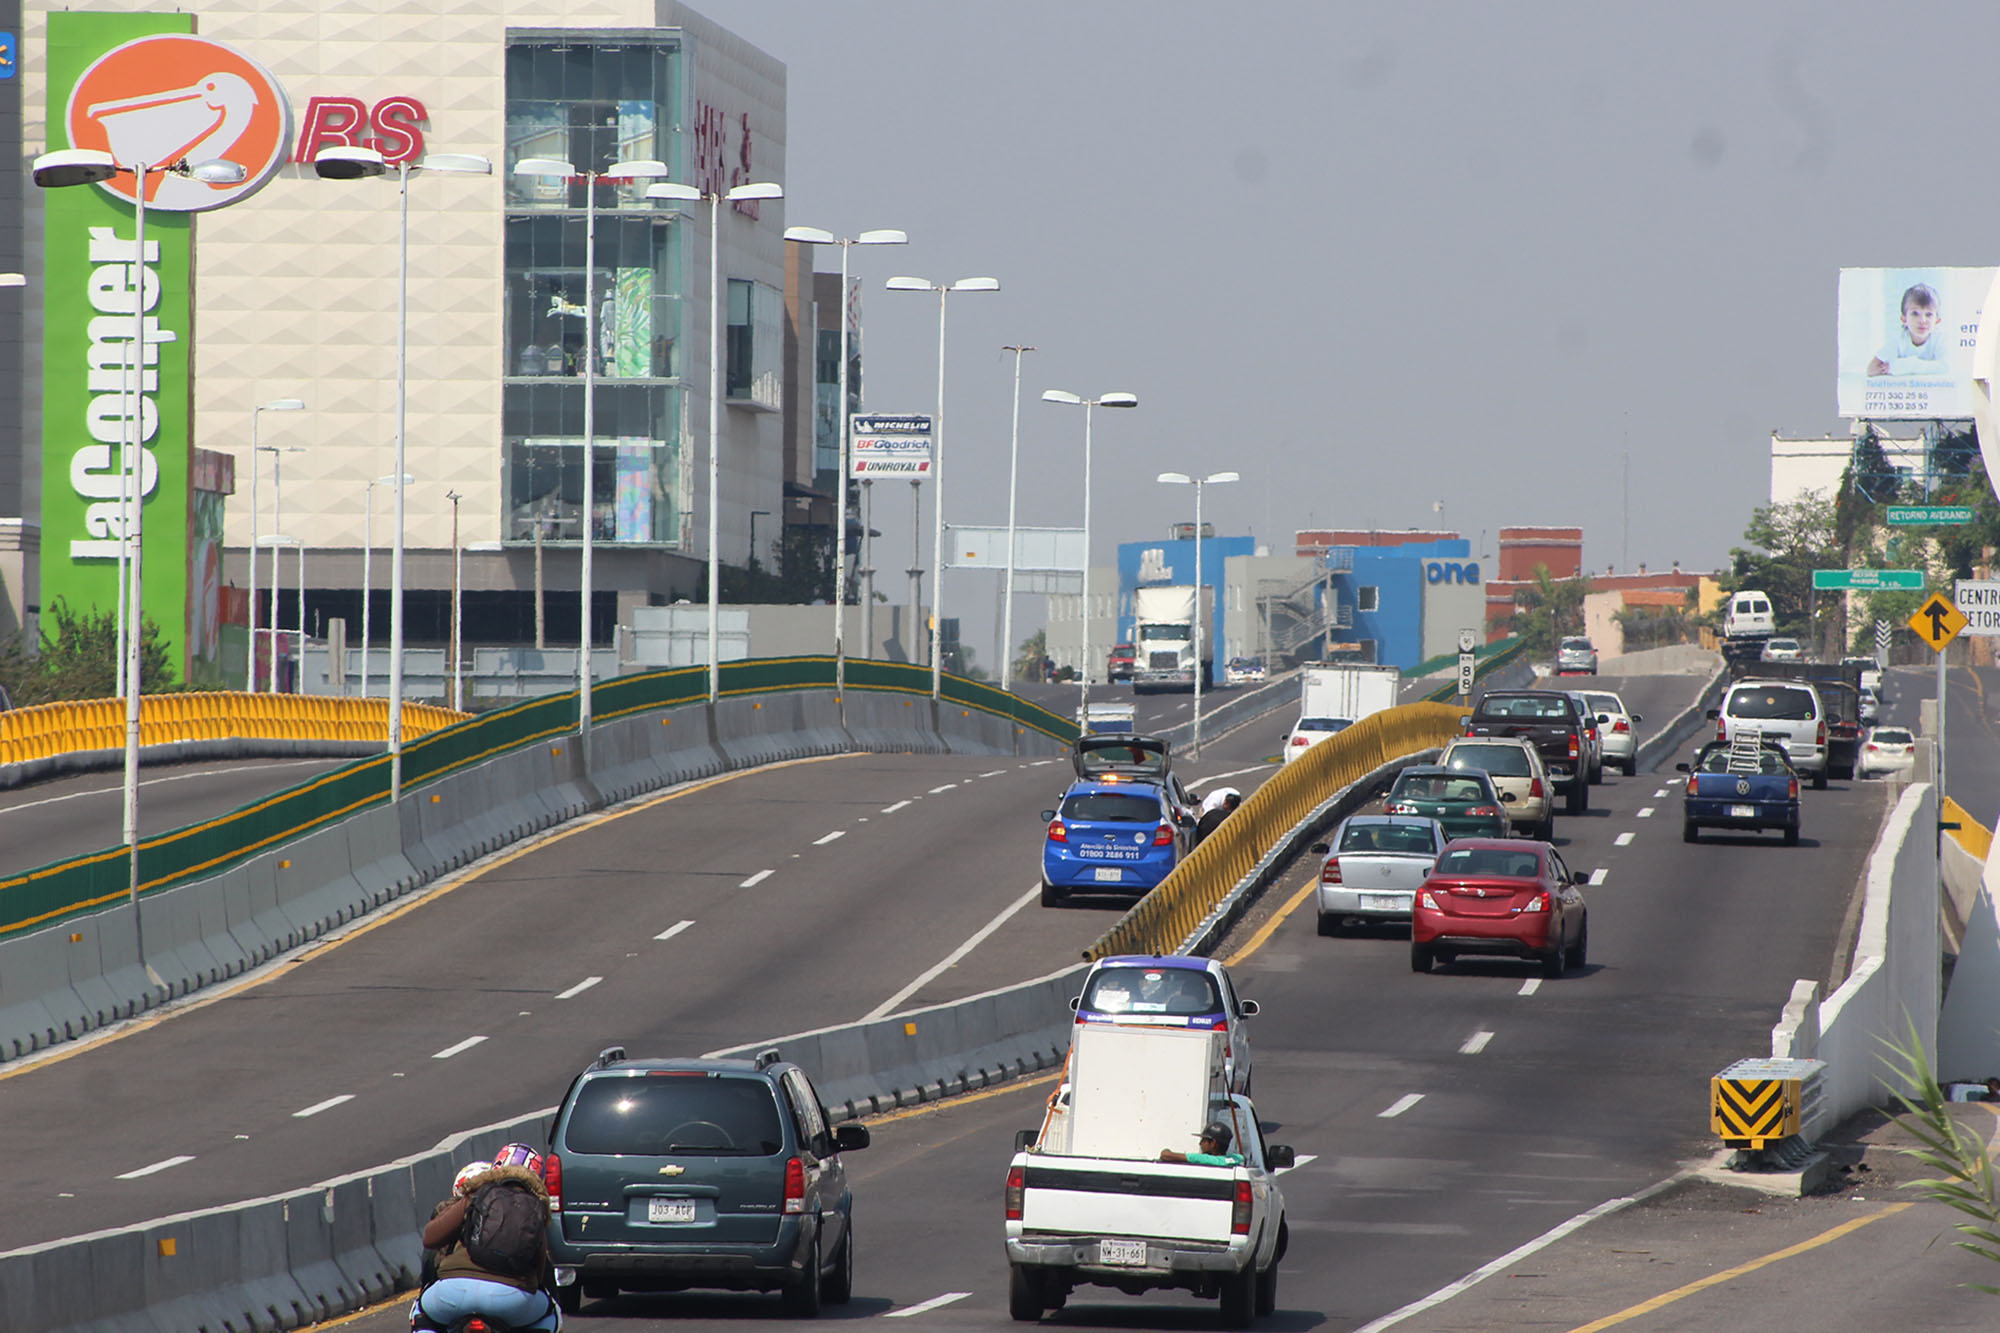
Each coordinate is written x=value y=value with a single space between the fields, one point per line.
x=1451 y=571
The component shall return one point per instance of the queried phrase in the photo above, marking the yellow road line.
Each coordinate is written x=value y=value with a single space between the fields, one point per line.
x=1826 y=1237
x=1269 y=928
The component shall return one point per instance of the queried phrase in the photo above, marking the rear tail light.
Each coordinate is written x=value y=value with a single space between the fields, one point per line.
x=1535 y=789
x=1793 y=785
x=1538 y=903
x=795 y=1185
x=475 y=1324
x=1300 y=740
x=1163 y=835
x=1425 y=898
x=552 y=1177
x=1621 y=726
x=1572 y=745
x=1721 y=730
x=1058 y=833
x=1871 y=746
x=1399 y=808
x=1819 y=736
x=1484 y=811
x=1330 y=872
x=1239 y=1216
x=1694 y=787
x=1016 y=1186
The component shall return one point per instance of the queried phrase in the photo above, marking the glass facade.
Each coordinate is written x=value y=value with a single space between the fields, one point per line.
x=591 y=99
x=756 y=331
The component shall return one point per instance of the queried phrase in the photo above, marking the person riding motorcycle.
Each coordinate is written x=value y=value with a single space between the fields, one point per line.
x=462 y=1287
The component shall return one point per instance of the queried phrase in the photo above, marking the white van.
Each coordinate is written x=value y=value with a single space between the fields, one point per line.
x=1748 y=616
x=1789 y=712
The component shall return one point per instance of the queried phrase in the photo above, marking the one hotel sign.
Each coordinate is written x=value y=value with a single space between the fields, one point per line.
x=143 y=88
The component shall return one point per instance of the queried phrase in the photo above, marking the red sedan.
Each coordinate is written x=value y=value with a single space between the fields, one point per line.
x=1500 y=896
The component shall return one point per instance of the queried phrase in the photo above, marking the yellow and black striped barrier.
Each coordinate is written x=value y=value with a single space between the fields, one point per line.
x=1756 y=1103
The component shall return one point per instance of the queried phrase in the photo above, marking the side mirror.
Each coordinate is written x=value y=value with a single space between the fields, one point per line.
x=1508 y=798
x=1636 y=718
x=1579 y=877
x=1048 y=816
x=1319 y=849
x=1185 y=820
x=1250 y=1008
x=1279 y=1156
x=1713 y=714
x=850 y=1138
x=1024 y=1139
x=1075 y=1003
x=1683 y=768
x=1465 y=721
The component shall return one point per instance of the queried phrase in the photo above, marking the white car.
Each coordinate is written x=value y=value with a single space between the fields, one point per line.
x=1310 y=731
x=1871 y=708
x=1748 y=616
x=1783 y=650
x=1620 y=734
x=1890 y=752
x=1244 y=671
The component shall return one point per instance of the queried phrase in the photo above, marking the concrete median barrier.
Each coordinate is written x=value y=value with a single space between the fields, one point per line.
x=1667 y=740
x=37 y=1006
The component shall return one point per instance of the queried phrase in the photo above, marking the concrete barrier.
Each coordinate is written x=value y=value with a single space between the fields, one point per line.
x=1667 y=740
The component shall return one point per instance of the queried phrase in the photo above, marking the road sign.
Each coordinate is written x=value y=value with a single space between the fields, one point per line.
x=1925 y=515
x=1869 y=580
x=1467 y=665
x=1979 y=602
x=1937 y=622
x=1882 y=628
x=1468 y=640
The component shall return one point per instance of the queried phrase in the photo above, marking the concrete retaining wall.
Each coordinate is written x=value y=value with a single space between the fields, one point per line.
x=1667 y=740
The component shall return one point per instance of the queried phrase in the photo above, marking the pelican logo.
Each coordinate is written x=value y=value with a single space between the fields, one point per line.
x=174 y=96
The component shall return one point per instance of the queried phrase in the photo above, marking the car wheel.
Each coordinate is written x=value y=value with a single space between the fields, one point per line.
x=1267 y=1289
x=1597 y=775
x=1688 y=833
x=1579 y=953
x=1024 y=1293
x=1548 y=833
x=839 y=1288
x=1792 y=836
x=1239 y=1299
x=1330 y=925
x=1052 y=896
x=1420 y=957
x=1578 y=799
x=1631 y=766
x=570 y=1299
x=1819 y=780
x=803 y=1297
x=1554 y=963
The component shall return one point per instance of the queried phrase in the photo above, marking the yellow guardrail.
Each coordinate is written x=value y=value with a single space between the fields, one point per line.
x=46 y=730
x=1972 y=835
x=1170 y=913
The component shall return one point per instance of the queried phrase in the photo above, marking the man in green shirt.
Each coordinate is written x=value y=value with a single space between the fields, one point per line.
x=1213 y=1150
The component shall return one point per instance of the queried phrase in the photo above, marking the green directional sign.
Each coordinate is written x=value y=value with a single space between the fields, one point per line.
x=1869 y=580
x=1904 y=516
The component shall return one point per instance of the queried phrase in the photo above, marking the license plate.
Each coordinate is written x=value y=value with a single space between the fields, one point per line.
x=1125 y=1253
x=1111 y=873
x=670 y=1210
x=1382 y=902
x=1742 y=812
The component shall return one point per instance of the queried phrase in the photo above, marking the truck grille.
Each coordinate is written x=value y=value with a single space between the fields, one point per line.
x=1167 y=661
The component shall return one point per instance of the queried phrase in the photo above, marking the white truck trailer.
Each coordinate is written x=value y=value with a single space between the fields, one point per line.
x=1347 y=691
x=1166 y=649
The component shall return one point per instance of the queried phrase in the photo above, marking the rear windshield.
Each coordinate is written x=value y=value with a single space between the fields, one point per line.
x=1892 y=736
x=1769 y=762
x=1777 y=702
x=1470 y=785
x=1120 y=758
x=1508 y=761
x=1604 y=703
x=1151 y=990
x=1499 y=861
x=1386 y=838
x=1325 y=723
x=1523 y=705
x=1112 y=808
x=657 y=1115
x=1582 y=644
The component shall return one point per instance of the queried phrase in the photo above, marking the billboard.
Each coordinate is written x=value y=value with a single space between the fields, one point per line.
x=143 y=88
x=890 y=446
x=1904 y=341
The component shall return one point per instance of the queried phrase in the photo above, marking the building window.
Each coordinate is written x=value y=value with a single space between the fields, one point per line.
x=1367 y=598
x=755 y=345
x=640 y=475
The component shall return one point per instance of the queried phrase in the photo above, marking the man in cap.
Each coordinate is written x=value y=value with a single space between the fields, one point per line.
x=1213 y=1150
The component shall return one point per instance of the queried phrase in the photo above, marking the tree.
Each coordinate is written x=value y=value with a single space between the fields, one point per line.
x=80 y=660
x=1786 y=542
x=1965 y=1179
x=1030 y=656
x=1659 y=626
x=1548 y=609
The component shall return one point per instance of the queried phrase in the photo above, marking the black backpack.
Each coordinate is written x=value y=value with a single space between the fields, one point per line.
x=506 y=1230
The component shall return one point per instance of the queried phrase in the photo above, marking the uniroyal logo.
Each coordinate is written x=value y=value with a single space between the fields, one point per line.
x=171 y=97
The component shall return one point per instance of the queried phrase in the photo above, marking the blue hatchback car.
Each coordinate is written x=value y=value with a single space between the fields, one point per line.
x=1111 y=836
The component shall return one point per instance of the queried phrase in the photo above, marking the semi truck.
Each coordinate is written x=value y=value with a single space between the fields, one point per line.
x=1165 y=642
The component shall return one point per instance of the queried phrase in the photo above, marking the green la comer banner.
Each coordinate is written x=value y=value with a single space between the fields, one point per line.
x=117 y=323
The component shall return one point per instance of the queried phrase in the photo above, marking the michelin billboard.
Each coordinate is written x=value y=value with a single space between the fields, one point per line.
x=1905 y=339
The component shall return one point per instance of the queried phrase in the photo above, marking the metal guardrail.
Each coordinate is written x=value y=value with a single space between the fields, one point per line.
x=46 y=730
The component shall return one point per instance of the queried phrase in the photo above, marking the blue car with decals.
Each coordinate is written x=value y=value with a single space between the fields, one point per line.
x=1747 y=784
x=1112 y=836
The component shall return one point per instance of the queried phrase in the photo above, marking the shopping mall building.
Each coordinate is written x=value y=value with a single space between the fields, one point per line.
x=286 y=287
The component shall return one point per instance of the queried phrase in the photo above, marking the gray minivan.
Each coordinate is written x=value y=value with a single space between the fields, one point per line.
x=1789 y=712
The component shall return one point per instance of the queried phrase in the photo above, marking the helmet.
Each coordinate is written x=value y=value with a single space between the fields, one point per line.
x=468 y=1176
x=1218 y=1131
x=519 y=1154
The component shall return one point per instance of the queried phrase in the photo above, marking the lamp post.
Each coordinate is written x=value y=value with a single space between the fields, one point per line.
x=457 y=614
x=367 y=558
x=91 y=166
x=817 y=236
x=736 y=194
x=635 y=169
x=1088 y=404
x=755 y=514
x=343 y=163
x=1013 y=479
x=277 y=453
x=1183 y=479
x=943 y=290
x=275 y=405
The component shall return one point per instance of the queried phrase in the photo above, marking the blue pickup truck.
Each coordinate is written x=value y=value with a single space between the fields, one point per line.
x=1746 y=784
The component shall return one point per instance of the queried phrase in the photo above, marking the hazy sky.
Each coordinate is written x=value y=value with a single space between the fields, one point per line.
x=1375 y=256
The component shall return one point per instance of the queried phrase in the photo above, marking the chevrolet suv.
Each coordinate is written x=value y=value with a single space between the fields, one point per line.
x=1789 y=712
x=670 y=1174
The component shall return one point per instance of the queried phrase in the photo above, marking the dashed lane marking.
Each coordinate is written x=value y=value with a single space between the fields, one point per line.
x=169 y=1164
x=579 y=988
x=1623 y=840
x=326 y=1105
x=1645 y=812
x=1597 y=876
x=947 y=787
x=1660 y=794
x=458 y=1048
x=756 y=879
x=1475 y=1043
x=680 y=926
x=892 y=809
x=1530 y=986
x=996 y=773
x=837 y=833
x=922 y=1307
x=1400 y=1105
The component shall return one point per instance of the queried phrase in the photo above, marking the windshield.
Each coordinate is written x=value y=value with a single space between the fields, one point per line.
x=1507 y=761
x=1386 y=838
x=1471 y=785
x=1324 y=724
x=1503 y=862
x=1523 y=705
x=1892 y=736
x=1776 y=702
x=1581 y=645
x=1605 y=703
x=1769 y=762
x=1106 y=807
x=1166 y=633
x=1151 y=990
x=658 y=1114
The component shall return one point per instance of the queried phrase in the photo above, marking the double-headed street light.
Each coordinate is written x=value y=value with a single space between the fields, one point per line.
x=943 y=290
x=817 y=236
x=1088 y=404
x=737 y=194
x=1212 y=479
x=635 y=169
x=275 y=405
x=344 y=163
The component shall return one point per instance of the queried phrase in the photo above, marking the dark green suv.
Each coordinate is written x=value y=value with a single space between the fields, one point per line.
x=670 y=1174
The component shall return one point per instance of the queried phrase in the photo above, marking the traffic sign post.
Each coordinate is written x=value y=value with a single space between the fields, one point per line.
x=1868 y=580
x=1978 y=600
x=1937 y=622
x=1468 y=662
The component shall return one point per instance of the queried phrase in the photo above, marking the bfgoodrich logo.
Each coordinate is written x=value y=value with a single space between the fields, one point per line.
x=161 y=99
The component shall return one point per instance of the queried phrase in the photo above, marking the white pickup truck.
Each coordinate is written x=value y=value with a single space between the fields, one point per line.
x=1089 y=1202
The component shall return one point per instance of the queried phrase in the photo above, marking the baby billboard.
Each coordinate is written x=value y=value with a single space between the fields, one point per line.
x=1905 y=341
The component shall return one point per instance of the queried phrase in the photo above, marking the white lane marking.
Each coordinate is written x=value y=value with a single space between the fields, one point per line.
x=680 y=926
x=888 y=1006
x=892 y=809
x=326 y=1105
x=1597 y=876
x=178 y=777
x=1623 y=840
x=1475 y=1043
x=1645 y=812
x=922 y=1307
x=996 y=773
x=1660 y=793
x=1041 y=763
x=458 y=1049
x=756 y=879
x=1297 y=1162
x=157 y=1166
x=837 y=833
x=579 y=988
x=1530 y=986
x=1400 y=1105
x=947 y=787
x=1235 y=773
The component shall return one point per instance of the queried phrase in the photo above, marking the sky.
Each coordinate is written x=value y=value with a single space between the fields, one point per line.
x=1539 y=263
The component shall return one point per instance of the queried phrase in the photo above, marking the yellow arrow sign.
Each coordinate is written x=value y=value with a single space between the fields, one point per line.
x=1937 y=622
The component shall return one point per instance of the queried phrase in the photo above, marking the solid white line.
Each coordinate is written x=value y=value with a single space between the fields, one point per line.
x=1235 y=773
x=1623 y=840
x=888 y=1006
x=1530 y=986
x=677 y=927
x=326 y=1105
x=149 y=782
x=1597 y=876
x=460 y=1048
x=1401 y=1104
x=996 y=773
x=579 y=988
x=1475 y=1043
x=1645 y=812
x=947 y=787
x=837 y=833
x=756 y=879
x=892 y=809
x=1297 y=1162
x=157 y=1166
x=923 y=1306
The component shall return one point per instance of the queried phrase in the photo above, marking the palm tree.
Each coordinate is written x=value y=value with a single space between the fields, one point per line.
x=1548 y=609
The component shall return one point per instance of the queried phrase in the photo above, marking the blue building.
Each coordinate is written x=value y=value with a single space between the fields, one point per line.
x=1145 y=564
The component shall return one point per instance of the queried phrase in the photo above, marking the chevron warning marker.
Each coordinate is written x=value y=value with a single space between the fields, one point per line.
x=1752 y=1112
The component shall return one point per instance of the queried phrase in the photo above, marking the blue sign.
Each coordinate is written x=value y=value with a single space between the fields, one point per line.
x=1451 y=571
x=9 y=47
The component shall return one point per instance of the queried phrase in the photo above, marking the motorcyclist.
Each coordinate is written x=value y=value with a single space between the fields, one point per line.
x=462 y=1287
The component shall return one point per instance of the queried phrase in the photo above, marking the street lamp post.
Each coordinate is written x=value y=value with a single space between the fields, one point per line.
x=1075 y=400
x=736 y=194
x=1013 y=479
x=276 y=405
x=457 y=614
x=277 y=453
x=367 y=559
x=937 y=460
x=1183 y=479
x=635 y=169
x=817 y=236
x=343 y=163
